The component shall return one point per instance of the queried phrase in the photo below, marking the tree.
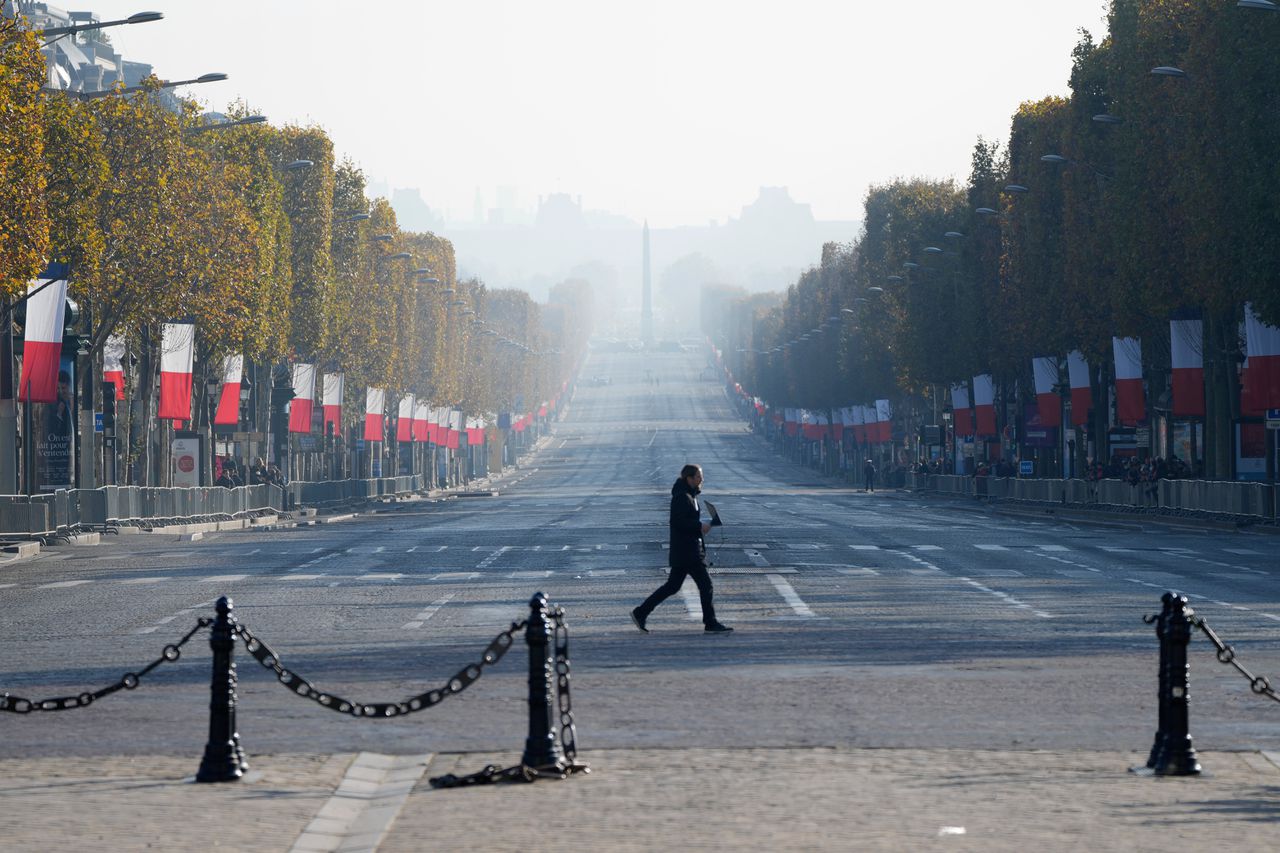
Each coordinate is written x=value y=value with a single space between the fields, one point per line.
x=24 y=217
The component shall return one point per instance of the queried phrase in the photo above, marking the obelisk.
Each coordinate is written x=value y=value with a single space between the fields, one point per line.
x=646 y=308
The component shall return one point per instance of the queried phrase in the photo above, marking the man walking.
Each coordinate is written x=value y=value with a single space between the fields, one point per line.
x=869 y=474
x=688 y=554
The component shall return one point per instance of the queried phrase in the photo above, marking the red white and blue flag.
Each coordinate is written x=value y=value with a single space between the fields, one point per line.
x=333 y=385
x=113 y=363
x=960 y=410
x=404 y=419
x=1262 y=348
x=984 y=404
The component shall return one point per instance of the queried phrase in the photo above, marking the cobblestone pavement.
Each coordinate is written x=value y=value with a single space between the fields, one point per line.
x=650 y=799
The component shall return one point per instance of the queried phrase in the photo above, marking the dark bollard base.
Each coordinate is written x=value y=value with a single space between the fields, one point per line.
x=1144 y=771
x=222 y=763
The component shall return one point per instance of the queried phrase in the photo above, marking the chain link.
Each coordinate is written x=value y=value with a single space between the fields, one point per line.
x=1226 y=654
x=463 y=679
x=568 y=732
x=128 y=681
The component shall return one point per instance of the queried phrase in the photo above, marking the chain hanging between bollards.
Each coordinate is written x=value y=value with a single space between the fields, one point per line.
x=551 y=748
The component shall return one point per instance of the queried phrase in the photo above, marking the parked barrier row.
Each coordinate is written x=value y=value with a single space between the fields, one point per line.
x=1205 y=496
x=67 y=511
x=325 y=493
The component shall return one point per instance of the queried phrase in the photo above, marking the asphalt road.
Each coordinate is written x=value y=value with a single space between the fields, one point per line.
x=862 y=619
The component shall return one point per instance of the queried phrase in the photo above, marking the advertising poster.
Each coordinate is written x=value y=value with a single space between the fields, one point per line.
x=186 y=461
x=55 y=430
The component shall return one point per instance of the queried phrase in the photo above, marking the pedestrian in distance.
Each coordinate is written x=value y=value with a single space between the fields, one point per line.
x=869 y=475
x=687 y=556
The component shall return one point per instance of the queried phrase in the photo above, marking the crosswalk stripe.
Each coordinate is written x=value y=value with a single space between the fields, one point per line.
x=428 y=612
x=61 y=584
x=789 y=595
x=455 y=576
x=301 y=577
x=144 y=580
x=865 y=547
x=380 y=576
x=852 y=570
x=984 y=547
x=927 y=547
x=223 y=579
x=534 y=574
x=1053 y=547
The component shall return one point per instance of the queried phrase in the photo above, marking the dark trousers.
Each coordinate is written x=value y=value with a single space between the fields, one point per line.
x=672 y=586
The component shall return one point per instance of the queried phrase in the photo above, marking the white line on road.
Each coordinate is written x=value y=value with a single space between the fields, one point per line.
x=223 y=578
x=927 y=547
x=1244 y=552
x=865 y=547
x=545 y=573
x=380 y=576
x=790 y=596
x=302 y=577
x=1053 y=548
x=982 y=547
x=692 y=604
x=61 y=584
x=857 y=570
x=455 y=576
x=428 y=612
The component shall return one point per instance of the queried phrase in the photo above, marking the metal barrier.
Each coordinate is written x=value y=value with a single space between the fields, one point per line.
x=67 y=511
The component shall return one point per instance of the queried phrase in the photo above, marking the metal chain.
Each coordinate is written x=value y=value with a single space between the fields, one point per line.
x=1226 y=654
x=463 y=679
x=568 y=732
x=128 y=681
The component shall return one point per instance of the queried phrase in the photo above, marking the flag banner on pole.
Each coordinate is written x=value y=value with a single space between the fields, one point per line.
x=1045 y=372
x=884 y=421
x=859 y=423
x=792 y=418
x=332 y=387
x=42 y=342
x=1081 y=389
x=984 y=405
x=455 y=429
x=1187 y=346
x=177 y=353
x=1262 y=347
x=375 y=406
x=421 y=421
x=870 y=420
x=475 y=431
x=960 y=412
x=229 y=398
x=404 y=419
x=1130 y=403
x=440 y=426
x=113 y=363
x=542 y=410
x=304 y=395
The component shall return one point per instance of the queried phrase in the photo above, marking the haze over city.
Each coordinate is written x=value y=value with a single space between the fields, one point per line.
x=672 y=113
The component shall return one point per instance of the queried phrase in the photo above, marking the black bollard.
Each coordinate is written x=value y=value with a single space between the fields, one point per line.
x=1177 y=756
x=223 y=760
x=1162 y=725
x=542 y=747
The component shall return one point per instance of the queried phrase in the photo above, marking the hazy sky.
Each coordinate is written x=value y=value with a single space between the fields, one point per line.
x=672 y=111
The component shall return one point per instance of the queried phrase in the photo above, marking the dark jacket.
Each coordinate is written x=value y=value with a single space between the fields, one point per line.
x=687 y=548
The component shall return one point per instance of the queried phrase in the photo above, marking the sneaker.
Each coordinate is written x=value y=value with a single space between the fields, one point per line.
x=638 y=620
x=717 y=628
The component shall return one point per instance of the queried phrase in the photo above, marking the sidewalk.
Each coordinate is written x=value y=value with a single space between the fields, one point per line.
x=644 y=799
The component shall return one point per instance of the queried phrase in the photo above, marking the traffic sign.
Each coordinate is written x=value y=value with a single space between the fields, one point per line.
x=1026 y=467
x=1273 y=418
x=97 y=421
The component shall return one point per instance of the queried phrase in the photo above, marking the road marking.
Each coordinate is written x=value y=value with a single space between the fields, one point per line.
x=61 y=584
x=865 y=547
x=532 y=574
x=756 y=558
x=1055 y=548
x=605 y=573
x=692 y=603
x=789 y=595
x=379 y=549
x=1116 y=550
x=7 y=585
x=411 y=550
x=651 y=438
x=167 y=619
x=301 y=577
x=223 y=579
x=991 y=547
x=144 y=580
x=852 y=570
x=380 y=576
x=365 y=804
x=927 y=547
x=455 y=576
x=1244 y=552
x=428 y=612
x=254 y=551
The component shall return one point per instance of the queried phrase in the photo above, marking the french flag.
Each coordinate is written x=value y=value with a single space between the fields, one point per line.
x=42 y=347
x=439 y=426
x=792 y=423
x=375 y=404
x=870 y=432
x=859 y=424
x=475 y=431
x=113 y=364
x=404 y=419
x=177 y=352
x=1049 y=404
x=229 y=398
x=984 y=403
x=333 y=385
x=1187 y=340
x=1081 y=391
x=960 y=408
x=1130 y=403
x=1262 y=348
x=884 y=421
x=304 y=396
x=421 y=422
